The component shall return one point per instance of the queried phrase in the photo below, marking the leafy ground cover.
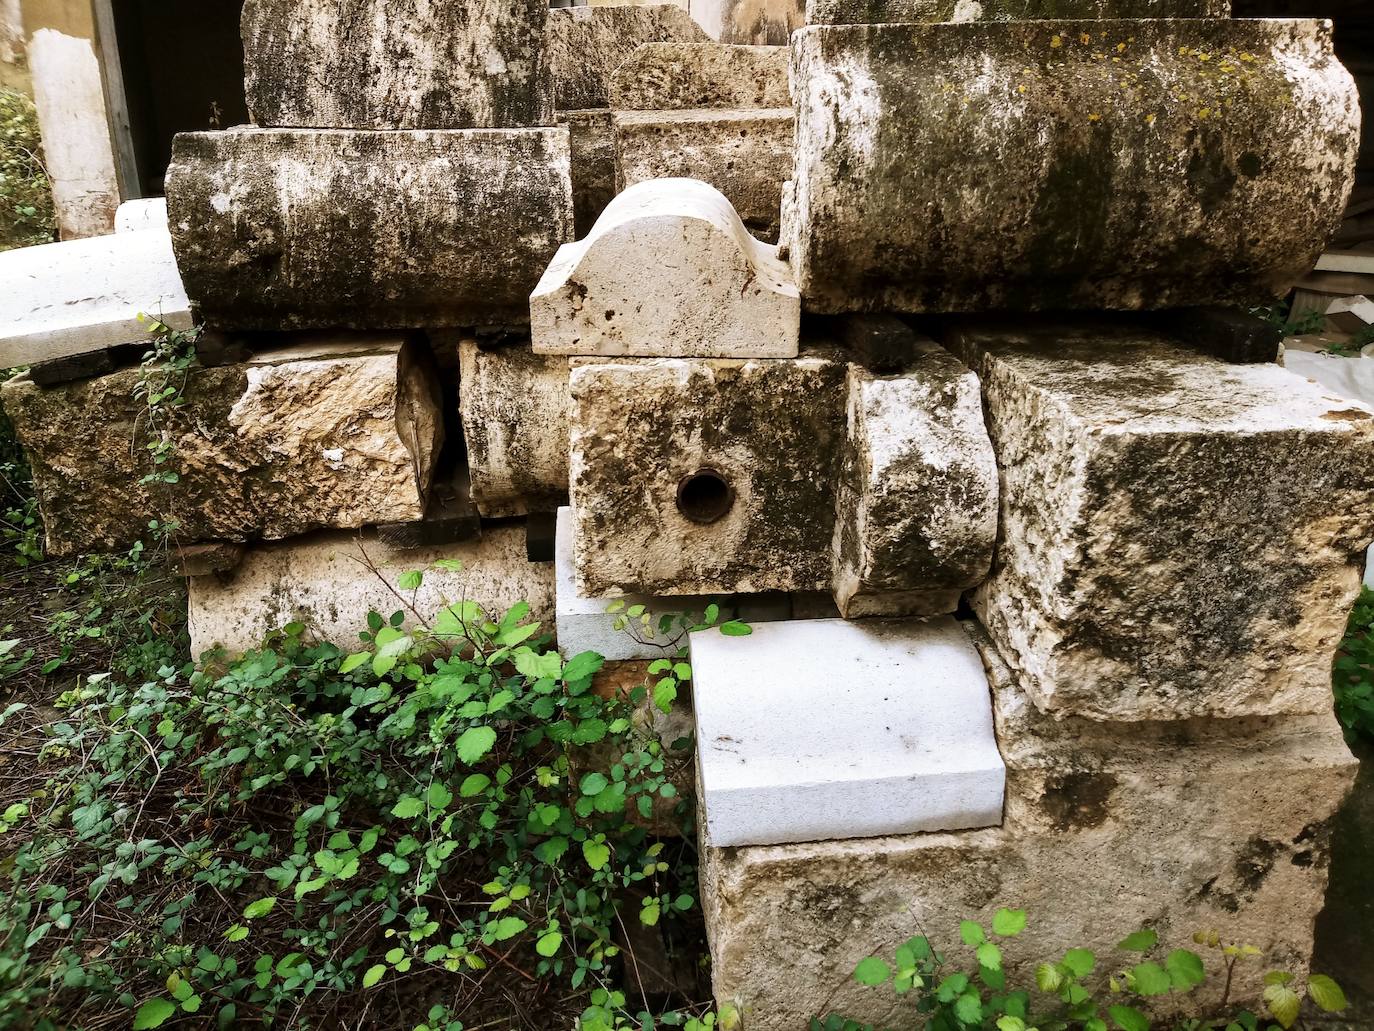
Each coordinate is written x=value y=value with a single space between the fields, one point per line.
x=26 y=211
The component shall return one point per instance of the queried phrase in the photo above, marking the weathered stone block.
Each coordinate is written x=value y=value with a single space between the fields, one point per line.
x=744 y=154
x=1066 y=164
x=1175 y=826
x=873 y=12
x=79 y=296
x=586 y=625
x=587 y=44
x=368 y=64
x=668 y=271
x=514 y=405
x=144 y=213
x=1179 y=536
x=592 y=151
x=336 y=434
x=698 y=476
x=916 y=512
x=763 y=22
x=331 y=581
x=890 y=734
x=281 y=229
x=683 y=76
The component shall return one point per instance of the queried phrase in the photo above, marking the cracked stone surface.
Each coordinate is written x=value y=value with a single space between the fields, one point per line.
x=1047 y=165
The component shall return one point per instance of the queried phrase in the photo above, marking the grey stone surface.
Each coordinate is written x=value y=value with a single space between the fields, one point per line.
x=1058 y=165
x=759 y=22
x=370 y=64
x=331 y=581
x=587 y=44
x=762 y=435
x=1175 y=826
x=515 y=406
x=592 y=144
x=872 y=12
x=1179 y=537
x=916 y=509
x=744 y=154
x=324 y=435
x=287 y=229
x=682 y=76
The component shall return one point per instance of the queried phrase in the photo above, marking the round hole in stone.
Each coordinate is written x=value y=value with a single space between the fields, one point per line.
x=704 y=496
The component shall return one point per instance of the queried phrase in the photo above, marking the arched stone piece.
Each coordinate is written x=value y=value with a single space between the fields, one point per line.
x=1048 y=165
x=667 y=271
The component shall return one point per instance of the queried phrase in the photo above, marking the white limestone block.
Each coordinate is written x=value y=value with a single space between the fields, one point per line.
x=888 y=732
x=71 y=298
x=69 y=94
x=584 y=625
x=667 y=271
x=145 y=213
x=331 y=581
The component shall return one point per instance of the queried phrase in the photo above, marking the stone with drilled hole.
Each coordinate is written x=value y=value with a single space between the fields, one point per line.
x=370 y=64
x=333 y=433
x=331 y=581
x=889 y=733
x=698 y=476
x=301 y=228
x=587 y=44
x=1051 y=165
x=1180 y=537
x=669 y=270
x=916 y=510
x=683 y=76
x=746 y=155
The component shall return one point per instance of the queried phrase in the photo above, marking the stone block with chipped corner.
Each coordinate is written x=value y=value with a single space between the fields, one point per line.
x=1180 y=537
x=889 y=733
x=514 y=406
x=685 y=76
x=873 y=12
x=337 y=433
x=374 y=65
x=331 y=581
x=1175 y=826
x=585 y=624
x=667 y=271
x=746 y=155
x=916 y=508
x=305 y=228
x=587 y=44
x=64 y=300
x=705 y=475
x=1054 y=165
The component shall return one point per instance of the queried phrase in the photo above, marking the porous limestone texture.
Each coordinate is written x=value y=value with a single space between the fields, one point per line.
x=916 y=511
x=587 y=44
x=873 y=12
x=79 y=296
x=514 y=405
x=328 y=434
x=586 y=625
x=1175 y=826
x=591 y=136
x=760 y=22
x=369 y=64
x=331 y=581
x=668 y=271
x=1179 y=537
x=1065 y=164
x=744 y=154
x=705 y=475
x=292 y=229
x=890 y=734
x=682 y=76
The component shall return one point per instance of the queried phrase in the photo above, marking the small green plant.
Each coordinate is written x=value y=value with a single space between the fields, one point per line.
x=670 y=632
x=26 y=208
x=1076 y=992
x=1353 y=673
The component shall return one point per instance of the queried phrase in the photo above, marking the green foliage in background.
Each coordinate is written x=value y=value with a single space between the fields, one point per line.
x=1354 y=671
x=26 y=211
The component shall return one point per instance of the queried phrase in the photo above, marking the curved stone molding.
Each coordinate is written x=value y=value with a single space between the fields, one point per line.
x=667 y=271
x=1060 y=165
x=370 y=64
x=314 y=228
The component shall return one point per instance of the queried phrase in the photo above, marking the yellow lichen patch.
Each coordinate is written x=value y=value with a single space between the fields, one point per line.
x=1086 y=39
x=1094 y=117
x=1150 y=118
x=1056 y=42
